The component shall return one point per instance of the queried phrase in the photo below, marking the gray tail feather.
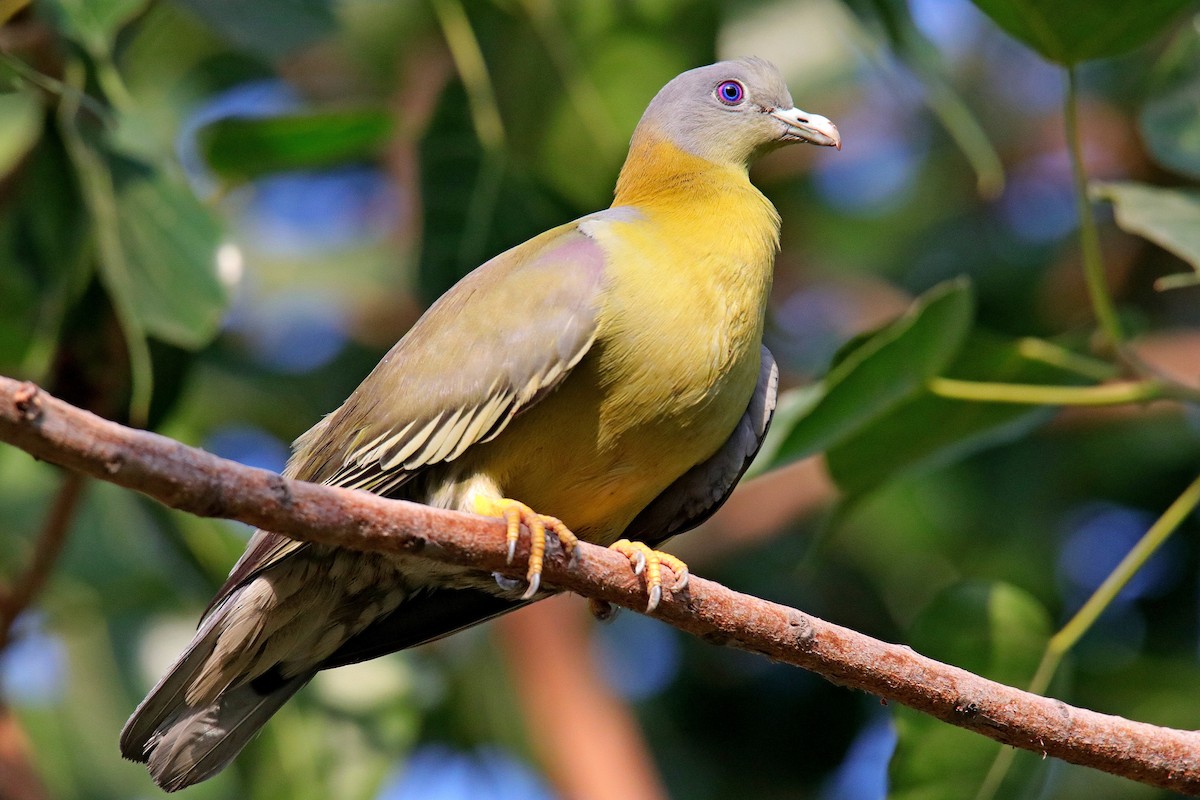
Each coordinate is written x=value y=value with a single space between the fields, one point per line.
x=184 y=744
x=168 y=694
x=195 y=743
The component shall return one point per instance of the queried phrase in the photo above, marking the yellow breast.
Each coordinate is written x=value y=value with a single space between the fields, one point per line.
x=676 y=356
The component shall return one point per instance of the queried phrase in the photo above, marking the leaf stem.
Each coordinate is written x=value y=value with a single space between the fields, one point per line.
x=912 y=49
x=956 y=117
x=469 y=61
x=1133 y=561
x=1109 y=394
x=585 y=99
x=57 y=88
x=1079 y=624
x=1036 y=349
x=1183 y=280
x=1089 y=239
x=52 y=313
x=110 y=80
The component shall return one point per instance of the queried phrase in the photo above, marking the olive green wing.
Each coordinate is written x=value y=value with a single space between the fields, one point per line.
x=498 y=341
x=698 y=493
x=491 y=347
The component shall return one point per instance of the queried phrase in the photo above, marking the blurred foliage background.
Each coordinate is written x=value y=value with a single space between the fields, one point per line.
x=216 y=216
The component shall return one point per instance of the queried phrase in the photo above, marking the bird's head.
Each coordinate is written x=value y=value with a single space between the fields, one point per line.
x=732 y=111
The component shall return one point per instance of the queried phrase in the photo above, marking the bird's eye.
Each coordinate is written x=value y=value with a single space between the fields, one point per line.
x=730 y=92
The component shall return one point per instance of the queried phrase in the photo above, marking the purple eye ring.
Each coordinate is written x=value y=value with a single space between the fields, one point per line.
x=730 y=92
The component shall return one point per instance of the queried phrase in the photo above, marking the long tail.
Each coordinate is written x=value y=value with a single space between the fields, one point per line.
x=265 y=638
x=187 y=729
x=192 y=744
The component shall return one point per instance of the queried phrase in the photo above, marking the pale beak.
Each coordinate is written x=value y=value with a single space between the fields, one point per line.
x=805 y=127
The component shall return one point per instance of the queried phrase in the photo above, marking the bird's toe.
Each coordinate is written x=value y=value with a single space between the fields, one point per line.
x=515 y=514
x=645 y=559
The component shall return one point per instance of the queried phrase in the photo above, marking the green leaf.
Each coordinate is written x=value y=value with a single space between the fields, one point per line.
x=927 y=431
x=242 y=149
x=20 y=127
x=876 y=373
x=270 y=28
x=168 y=247
x=43 y=245
x=18 y=300
x=1069 y=31
x=477 y=204
x=95 y=23
x=1170 y=118
x=1170 y=126
x=792 y=406
x=1168 y=217
x=992 y=629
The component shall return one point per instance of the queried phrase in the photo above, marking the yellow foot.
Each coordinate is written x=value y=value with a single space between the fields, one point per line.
x=514 y=513
x=651 y=562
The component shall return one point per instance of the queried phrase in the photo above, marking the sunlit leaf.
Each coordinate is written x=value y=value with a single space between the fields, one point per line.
x=168 y=247
x=20 y=127
x=1069 y=31
x=1168 y=217
x=879 y=371
x=992 y=629
x=239 y=149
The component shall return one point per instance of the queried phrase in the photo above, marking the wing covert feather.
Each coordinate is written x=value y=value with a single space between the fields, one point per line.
x=501 y=338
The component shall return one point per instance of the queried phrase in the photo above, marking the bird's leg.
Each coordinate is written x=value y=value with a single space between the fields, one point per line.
x=515 y=513
x=645 y=559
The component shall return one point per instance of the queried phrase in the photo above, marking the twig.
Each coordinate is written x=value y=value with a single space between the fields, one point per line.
x=200 y=483
x=1089 y=239
x=468 y=59
x=17 y=597
x=1106 y=394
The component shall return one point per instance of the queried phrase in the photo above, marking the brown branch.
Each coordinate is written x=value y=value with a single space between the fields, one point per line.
x=49 y=543
x=200 y=483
